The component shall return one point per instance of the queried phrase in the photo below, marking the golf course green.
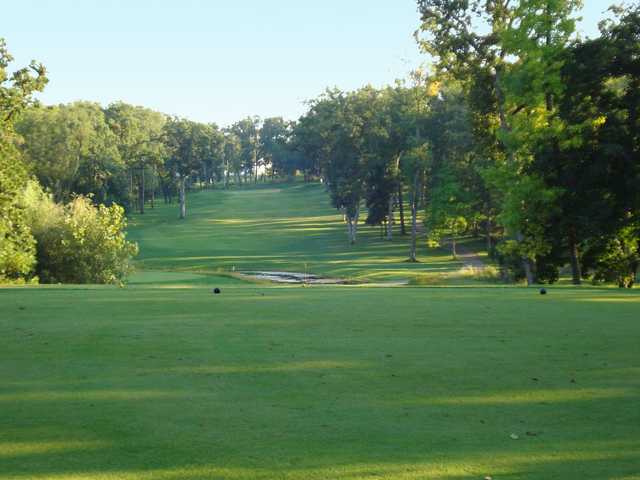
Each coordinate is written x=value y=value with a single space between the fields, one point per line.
x=274 y=227
x=164 y=380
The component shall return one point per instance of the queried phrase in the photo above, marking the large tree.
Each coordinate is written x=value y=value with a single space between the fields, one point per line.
x=274 y=136
x=140 y=141
x=594 y=161
x=183 y=140
x=17 y=247
x=454 y=199
x=247 y=131
x=71 y=149
x=232 y=157
x=390 y=136
x=512 y=46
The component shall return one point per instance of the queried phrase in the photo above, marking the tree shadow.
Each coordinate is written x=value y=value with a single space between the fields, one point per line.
x=316 y=384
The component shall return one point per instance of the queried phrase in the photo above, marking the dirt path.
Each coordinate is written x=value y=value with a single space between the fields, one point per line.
x=469 y=258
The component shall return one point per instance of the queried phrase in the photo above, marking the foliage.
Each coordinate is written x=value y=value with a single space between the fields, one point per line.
x=17 y=246
x=619 y=259
x=519 y=130
x=71 y=149
x=78 y=242
x=16 y=242
x=555 y=143
x=247 y=132
x=274 y=145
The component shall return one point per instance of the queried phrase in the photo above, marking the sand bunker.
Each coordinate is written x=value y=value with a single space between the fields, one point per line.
x=293 y=277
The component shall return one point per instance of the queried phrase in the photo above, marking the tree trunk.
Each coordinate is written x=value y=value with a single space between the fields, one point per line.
x=355 y=222
x=255 y=162
x=453 y=247
x=390 y=218
x=131 y=196
x=352 y=225
x=205 y=177
x=576 y=273
x=183 y=199
x=141 y=192
x=403 y=229
x=415 y=195
x=153 y=198
x=489 y=240
x=528 y=271
x=526 y=264
x=350 y=230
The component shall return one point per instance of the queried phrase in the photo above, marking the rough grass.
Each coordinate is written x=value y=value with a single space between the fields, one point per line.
x=166 y=381
x=467 y=275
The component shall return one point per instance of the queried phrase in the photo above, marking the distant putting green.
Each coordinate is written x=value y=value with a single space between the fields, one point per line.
x=170 y=382
x=288 y=227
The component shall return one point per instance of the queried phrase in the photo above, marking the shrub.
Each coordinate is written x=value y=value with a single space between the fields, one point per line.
x=509 y=256
x=78 y=242
x=619 y=262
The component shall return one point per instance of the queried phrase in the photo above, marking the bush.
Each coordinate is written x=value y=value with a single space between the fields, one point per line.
x=619 y=262
x=509 y=257
x=78 y=242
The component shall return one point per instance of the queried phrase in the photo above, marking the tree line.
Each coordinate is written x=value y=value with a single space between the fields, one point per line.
x=519 y=131
x=74 y=239
x=555 y=133
x=128 y=154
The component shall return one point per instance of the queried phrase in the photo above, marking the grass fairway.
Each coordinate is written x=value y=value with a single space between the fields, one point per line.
x=163 y=380
x=290 y=227
x=170 y=382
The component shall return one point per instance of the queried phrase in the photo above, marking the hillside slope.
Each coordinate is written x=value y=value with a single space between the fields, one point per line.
x=289 y=227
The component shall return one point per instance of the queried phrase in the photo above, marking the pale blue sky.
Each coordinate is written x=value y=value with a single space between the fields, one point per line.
x=217 y=60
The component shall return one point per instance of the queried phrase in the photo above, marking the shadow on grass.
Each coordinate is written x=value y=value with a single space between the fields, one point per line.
x=212 y=432
x=342 y=383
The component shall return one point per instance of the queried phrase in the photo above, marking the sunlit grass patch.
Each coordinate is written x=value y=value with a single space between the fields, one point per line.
x=340 y=382
x=467 y=274
x=17 y=449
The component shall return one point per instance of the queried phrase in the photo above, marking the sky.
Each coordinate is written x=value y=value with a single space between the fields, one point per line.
x=218 y=60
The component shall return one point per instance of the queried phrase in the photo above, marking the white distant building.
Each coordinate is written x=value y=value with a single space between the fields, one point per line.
x=262 y=171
